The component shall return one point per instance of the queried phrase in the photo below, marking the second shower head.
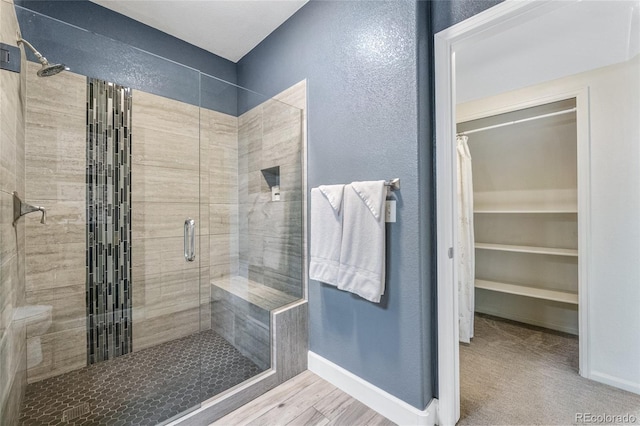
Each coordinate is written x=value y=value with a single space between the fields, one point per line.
x=47 y=68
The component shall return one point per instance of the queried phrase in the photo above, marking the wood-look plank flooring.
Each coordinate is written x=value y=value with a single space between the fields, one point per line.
x=304 y=400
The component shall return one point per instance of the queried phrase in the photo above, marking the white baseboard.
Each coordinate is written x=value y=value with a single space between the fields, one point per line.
x=616 y=382
x=375 y=398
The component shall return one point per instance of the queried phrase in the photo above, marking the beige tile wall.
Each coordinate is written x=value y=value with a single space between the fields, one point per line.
x=55 y=169
x=12 y=251
x=219 y=202
x=165 y=191
x=270 y=233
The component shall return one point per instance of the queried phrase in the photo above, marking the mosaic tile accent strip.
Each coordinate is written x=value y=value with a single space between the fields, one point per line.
x=140 y=388
x=109 y=290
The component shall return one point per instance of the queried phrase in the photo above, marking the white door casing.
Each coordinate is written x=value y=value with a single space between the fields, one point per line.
x=496 y=19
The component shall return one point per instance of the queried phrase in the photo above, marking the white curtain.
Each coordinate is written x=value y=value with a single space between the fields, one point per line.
x=466 y=251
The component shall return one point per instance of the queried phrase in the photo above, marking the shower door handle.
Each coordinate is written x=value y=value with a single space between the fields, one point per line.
x=190 y=240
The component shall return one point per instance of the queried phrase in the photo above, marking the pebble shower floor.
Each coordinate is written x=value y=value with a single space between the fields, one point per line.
x=140 y=388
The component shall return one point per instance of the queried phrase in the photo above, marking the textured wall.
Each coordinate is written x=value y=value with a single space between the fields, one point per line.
x=449 y=12
x=100 y=20
x=12 y=251
x=115 y=49
x=364 y=62
x=56 y=252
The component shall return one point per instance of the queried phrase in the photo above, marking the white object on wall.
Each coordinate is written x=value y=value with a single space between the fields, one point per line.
x=466 y=250
x=275 y=193
x=390 y=211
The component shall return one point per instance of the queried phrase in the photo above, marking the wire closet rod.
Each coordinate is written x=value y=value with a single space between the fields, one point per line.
x=509 y=123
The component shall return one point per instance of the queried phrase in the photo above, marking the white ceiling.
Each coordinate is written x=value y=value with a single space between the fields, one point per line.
x=228 y=28
x=578 y=36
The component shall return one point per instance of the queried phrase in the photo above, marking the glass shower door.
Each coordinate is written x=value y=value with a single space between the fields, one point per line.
x=159 y=362
x=115 y=161
x=166 y=266
x=174 y=229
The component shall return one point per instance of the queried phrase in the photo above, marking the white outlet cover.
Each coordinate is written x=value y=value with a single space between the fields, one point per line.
x=390 y=211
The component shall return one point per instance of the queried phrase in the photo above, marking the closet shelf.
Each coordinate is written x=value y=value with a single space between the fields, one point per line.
x=521 y=290
x=525 y=211
x=528 y=249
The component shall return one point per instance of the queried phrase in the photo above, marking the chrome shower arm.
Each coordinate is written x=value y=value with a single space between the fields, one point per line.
x=21 y=208
x=41 y=58
x=47 y=68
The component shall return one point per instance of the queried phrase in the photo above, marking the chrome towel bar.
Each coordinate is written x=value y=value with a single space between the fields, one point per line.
x=393 y=184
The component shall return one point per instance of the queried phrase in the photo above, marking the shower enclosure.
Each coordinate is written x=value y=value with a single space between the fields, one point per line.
x=175 y=228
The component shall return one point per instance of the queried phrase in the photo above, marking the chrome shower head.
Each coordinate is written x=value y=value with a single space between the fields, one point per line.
x=47 y=68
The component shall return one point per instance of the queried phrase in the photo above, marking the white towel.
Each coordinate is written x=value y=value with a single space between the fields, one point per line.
x=326 y=233
x=362 y=256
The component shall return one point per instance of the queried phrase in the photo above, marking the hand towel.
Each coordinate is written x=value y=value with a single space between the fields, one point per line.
x=362 y=253
x=326 y=233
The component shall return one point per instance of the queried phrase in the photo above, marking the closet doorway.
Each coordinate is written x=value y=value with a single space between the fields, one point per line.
x=522 y=341
x=539 y=246
x=525 y=210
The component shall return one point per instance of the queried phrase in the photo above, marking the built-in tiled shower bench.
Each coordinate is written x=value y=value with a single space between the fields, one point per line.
x=240 y=311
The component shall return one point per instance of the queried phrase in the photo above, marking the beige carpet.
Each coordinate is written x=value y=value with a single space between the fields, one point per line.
x=514 y=374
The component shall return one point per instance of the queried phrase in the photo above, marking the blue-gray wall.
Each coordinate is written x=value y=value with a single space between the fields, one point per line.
x=370 y=110
x=364 y=62
x=97 y=42
x=100 y=20
x=449 y=12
